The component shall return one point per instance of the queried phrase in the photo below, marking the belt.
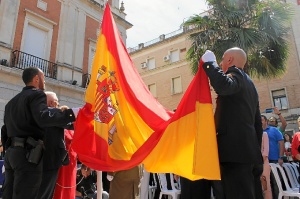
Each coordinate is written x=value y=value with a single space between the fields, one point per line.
x=273 y=161
x=16 y=141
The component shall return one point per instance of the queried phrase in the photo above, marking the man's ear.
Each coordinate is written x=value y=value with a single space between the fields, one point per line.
x=36 y=79
x=230 y=60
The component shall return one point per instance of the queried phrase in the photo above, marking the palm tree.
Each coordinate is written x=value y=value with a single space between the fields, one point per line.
x=259 y=27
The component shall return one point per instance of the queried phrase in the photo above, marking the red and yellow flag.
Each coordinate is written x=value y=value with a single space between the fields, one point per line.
x=123 y=125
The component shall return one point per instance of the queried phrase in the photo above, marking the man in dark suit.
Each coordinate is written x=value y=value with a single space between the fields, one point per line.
x=238 y=124
x=26 y=116
x=54 y=155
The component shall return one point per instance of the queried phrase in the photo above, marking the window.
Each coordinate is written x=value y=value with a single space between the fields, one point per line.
x=92 y=50
x=279 y=99
x=152 y=89
x=42 y=5
x=35 y=41
x=174 y=55
x=151 y=63
x=37 y=35
x=115 y=3
x=99 y=1
x=176 y=85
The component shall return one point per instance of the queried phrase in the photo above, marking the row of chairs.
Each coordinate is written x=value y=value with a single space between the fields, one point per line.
x=174 y=192
x=289 y=174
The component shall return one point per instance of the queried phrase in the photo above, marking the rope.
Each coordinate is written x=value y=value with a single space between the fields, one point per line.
x=71 y=186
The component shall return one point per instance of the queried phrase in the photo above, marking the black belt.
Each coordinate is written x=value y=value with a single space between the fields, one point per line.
x=16 y=141
x=273 y=161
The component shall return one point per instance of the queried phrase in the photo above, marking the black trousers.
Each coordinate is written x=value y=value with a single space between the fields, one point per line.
x=195 y=189
x=241 y=180
x=218 y=189
x=22 y=179
x=48 y=184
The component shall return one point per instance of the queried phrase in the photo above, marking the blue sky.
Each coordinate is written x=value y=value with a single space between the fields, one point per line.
x=151 y=18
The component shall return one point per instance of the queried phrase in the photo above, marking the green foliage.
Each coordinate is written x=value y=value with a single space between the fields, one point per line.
x=259 y=27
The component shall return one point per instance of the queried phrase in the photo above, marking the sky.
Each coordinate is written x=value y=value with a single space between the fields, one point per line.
x=151 y=18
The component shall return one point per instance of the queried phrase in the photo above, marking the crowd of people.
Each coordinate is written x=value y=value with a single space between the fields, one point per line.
x=40 y=163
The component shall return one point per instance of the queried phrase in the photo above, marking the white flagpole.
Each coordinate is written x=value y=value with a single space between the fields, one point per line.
x=99 y=185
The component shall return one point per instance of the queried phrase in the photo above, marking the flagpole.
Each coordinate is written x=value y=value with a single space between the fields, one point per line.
x=99 y=185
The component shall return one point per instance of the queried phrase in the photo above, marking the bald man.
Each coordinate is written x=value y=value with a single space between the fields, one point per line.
x=238 y=124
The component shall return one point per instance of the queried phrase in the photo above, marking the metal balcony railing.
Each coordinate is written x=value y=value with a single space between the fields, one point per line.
x=161 y=38
x=24 y=60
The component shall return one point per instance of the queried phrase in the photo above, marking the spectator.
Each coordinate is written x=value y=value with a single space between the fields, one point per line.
x=1 y=150
x=266 y=171
x=276 y=144
x=3 y=140
x=287 y=147
x=125 y=184
x=296 y=145
x=276 y=150
x=86 y=180
x=273 y=121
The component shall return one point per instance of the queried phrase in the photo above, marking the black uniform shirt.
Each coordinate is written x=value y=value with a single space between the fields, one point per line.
x=27 y=114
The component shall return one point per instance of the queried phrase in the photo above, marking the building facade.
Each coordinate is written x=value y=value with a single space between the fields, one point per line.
x=164 y=69
x=58 y=36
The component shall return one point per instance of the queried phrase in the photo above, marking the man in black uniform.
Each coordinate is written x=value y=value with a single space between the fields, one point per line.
x=55 y=153
x=238 y=124
x=26 y=116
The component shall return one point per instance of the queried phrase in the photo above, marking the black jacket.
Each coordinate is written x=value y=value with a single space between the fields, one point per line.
x=27 y=114
x=237 y=115
x=55 y=148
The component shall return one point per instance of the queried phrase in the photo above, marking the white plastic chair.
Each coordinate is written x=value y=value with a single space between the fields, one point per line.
x=295 y=167
x=291 y=175
x=163 y=186
x=175 y=186
x=152 y=188
x=289 y=191
x=295 y=163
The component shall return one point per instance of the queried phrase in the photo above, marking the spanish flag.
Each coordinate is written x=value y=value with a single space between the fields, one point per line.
x=123 y=125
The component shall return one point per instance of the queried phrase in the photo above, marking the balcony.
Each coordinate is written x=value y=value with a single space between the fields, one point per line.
x=24 y=60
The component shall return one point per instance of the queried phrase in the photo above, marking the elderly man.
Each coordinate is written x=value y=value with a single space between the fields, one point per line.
x=238 y=124
x=55 y=154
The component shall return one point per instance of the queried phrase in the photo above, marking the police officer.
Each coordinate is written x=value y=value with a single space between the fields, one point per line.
x=26 y=116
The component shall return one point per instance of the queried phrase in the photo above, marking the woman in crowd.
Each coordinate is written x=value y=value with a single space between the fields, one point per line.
x=287 y=147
